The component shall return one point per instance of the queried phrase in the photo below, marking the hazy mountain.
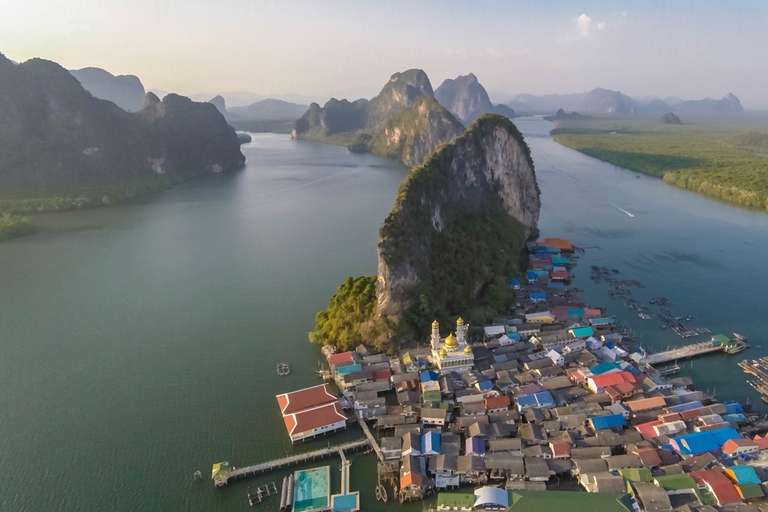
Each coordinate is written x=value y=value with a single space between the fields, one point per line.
x=670 y=118
x=125 y=91
x=609 y=102
x=730 y=104
x=467 y=99
x=220 y=104
x=55 y=132
x=268 y=109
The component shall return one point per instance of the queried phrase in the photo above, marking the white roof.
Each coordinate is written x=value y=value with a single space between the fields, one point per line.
x=494 y=330
x=491 y=496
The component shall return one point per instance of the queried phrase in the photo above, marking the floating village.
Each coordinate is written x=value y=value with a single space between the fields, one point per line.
x=555 y=395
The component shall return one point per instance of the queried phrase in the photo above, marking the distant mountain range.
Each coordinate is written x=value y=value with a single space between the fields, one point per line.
x=54 y=132
x=125 y=91
x=605 y=101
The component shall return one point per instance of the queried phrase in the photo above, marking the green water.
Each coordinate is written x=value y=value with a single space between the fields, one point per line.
x=140 y=342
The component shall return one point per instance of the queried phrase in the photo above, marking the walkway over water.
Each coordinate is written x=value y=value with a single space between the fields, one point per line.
x=370 y=437
x=265 y=467
x=685 y=352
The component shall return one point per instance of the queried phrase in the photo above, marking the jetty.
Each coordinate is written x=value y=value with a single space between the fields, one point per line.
x=370 y=437
x=692 y=350
x=222 y=474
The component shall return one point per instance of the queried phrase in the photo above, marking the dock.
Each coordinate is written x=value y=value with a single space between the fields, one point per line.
x=684 y=352
x=223 y=477
x=370 y=437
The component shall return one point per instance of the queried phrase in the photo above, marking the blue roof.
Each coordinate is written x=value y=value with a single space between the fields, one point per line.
x=475 y=445
x=575 y=312
x=560 y=261
x=733 y=407
x=484 y=385
x=604 y=320
x=543 y=398
x=700 y=442
x=553 y=284
x=532 y=275
x=687 y=407
x=745 y=475
x=526 y=400
x=667 y=447
x=539 y=296
x=603 y=368
x=514 y=282
x=609 y=421
x=734 y=418
x=428 y=376
x=513 y=336
x=430 y=442
x=343 y=502
x=345 y=370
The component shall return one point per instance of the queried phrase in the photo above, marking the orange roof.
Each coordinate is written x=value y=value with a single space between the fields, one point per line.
x=411 y=478
x=296 y=401
x=690 y=414
x=561 y=449
x=611 y=379
x=497 y=402
x=669 y=417
x=649 y=457
x=311 y=419
x=558 y=243
x=646 y=429
x=762 y=442
x=643 y=404
x=732 y=444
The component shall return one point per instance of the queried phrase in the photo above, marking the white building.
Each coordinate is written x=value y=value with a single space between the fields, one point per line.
x=452 y=353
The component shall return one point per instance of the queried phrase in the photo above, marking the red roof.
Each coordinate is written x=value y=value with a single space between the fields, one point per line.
x=669 y=417
x=646 y=429
x=611 y=379
x=561 y=449
x=296 y=401
x=592 y=312
x=558 y=243
x=720 y=485
x=382 y=374
x=411 y=478
x=690 y=414
x=344 y=357
x=558 y=274
x=649 y=457
x=311 y=419
x=497 y=402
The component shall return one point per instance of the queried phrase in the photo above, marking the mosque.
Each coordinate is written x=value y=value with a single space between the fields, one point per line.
x=452 y=354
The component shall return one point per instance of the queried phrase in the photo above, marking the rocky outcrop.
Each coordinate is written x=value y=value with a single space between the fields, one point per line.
x=55 y=133
x=414 y=133
x=670 y=118
x=403 y=121
x=267 y=110
x=220 y=104
x=458 y=225
x=561 y=115
x=125 y=91
x=467 y=99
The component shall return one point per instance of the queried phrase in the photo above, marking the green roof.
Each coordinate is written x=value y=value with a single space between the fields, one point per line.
x=637 y=474
x=748 y=491
x=538 y=501
x=707 y=498
x=455 y=499
x=722 y=338
x=676 y=482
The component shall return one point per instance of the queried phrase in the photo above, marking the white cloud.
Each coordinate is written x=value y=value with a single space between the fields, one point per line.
x=585 y=26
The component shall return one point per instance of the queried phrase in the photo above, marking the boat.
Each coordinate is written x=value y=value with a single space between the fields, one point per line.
x=735 y=348
x=644 y=316
x=739 y=337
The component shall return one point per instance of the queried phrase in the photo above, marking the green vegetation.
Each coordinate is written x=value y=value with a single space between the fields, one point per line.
x=722 y=158
x=12 y=226
x=259 y=126
x=349 y=319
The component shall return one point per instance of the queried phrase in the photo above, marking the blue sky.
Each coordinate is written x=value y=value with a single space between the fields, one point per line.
x=690 y=49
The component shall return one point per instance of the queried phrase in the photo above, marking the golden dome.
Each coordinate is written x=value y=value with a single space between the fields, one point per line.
x=435 y=325
x=450 y=341
x=467 y=349
x=460 y=321
x=442 y=353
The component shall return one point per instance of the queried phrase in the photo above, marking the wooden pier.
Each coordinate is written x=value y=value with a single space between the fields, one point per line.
x=684 y=352
x=370 y=437
x=223 y=478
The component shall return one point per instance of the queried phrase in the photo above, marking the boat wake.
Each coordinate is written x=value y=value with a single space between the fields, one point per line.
x=622 y=210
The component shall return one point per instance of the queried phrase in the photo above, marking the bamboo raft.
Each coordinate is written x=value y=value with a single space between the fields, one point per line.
x=254 y=498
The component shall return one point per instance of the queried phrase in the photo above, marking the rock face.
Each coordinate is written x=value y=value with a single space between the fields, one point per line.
x=396 y=123
x=458 y=225
x=609 y=102
x=125 y=91
x=220 y=104
x=467 y=99
x=414 y=133
x=670 y=118
x=268 y=110
x=54 y=132
x=561 y=115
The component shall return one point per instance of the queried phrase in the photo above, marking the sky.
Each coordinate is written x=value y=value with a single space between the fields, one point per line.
x=691 y=49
